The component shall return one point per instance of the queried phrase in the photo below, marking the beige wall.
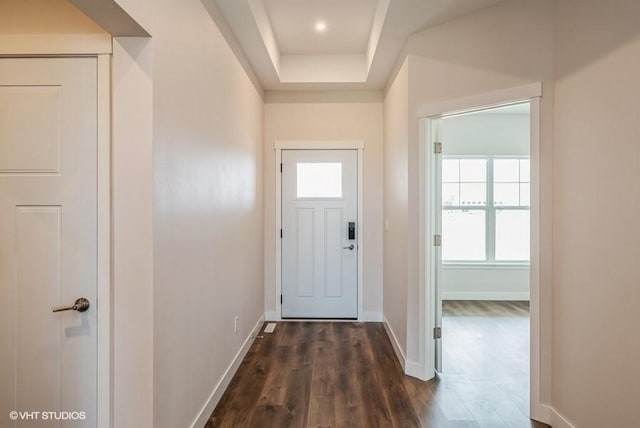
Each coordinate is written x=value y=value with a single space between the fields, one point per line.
x=503 y=46
x=596 y=346
x=345 y=117
x=39 y=27
x=396 y=121
x=208 y=205
x=35 y=17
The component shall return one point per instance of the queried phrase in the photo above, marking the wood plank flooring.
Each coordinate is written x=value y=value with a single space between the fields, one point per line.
x=347 y=375
x=486 y=359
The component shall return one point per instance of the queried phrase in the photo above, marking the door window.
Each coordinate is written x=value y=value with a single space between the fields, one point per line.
x=319 y=180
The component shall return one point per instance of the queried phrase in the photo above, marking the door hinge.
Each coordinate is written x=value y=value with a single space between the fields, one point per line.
x=437 y=333
x=281 y=299
x=280 y=233
x=437 y=148
x=280 y=166
x=437 y=240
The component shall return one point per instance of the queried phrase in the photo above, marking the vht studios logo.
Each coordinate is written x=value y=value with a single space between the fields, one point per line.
x=47 y=416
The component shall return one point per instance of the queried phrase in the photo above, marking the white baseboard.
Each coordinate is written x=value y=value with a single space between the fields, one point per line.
x=370 y=317
x=540 y=412
x=487 y=295
x=216 y=394
x=271 y=316
x=556 y=420
x=394 y=342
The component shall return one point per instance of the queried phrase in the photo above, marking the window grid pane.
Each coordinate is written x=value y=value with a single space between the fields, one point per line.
x=473 y=194
x=473 y=170
x=512 y=235
x=463 y=235
x=511 y=182
x=450 y=194
x=450 y=171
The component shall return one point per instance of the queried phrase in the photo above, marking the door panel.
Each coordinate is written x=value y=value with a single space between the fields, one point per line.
x=305 y=259
x=48 y=237
x=319 y=266
x=34 y=148
x=333 y=272
x=37 y=240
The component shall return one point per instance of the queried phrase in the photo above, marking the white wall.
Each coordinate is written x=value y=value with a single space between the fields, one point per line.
x=485 y=283
x=351 y=116
x=596 y=296
x=208 y=205
x=485 y=134
x=506 y=45
x=396 y=120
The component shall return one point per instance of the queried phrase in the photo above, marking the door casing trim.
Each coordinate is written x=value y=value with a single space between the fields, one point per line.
x=104 y=329
x=281 y=145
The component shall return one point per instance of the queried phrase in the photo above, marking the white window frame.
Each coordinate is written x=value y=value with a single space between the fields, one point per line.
x=490 y=215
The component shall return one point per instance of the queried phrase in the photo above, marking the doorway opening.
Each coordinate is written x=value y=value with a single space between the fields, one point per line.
x=483 y=213
x=483 y=287
x=499 y=192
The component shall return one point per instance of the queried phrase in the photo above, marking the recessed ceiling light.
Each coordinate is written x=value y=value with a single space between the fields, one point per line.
x=321 y=26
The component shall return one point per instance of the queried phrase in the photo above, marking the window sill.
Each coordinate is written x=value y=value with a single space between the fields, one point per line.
x=489 y=266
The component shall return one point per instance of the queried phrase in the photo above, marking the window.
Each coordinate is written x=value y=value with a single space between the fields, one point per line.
x=319 y=180
x=485 y=209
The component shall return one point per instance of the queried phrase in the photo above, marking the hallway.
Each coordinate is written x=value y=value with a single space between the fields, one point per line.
x=343 y=375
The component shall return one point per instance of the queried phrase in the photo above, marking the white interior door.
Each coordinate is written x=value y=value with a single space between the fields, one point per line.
x=436 y=167
x=48 y=240
x=319 y=252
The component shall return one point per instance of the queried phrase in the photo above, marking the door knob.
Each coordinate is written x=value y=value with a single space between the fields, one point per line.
x=80 y=305
x=350 y=247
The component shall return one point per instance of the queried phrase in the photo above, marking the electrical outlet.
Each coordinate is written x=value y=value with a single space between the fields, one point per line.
x=235 y=324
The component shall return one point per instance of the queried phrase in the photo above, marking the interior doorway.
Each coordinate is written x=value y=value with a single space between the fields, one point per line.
x=431 y=249
x=483 y=212
x=482 y=289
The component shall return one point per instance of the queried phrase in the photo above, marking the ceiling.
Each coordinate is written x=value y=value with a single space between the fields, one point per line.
x=357 y=48
x=348 y=25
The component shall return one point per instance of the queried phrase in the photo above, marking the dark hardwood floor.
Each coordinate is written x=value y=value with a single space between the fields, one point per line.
x=347 y=375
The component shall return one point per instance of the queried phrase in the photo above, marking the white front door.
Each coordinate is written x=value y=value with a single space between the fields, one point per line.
x=48 y=241
x=319 y=234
